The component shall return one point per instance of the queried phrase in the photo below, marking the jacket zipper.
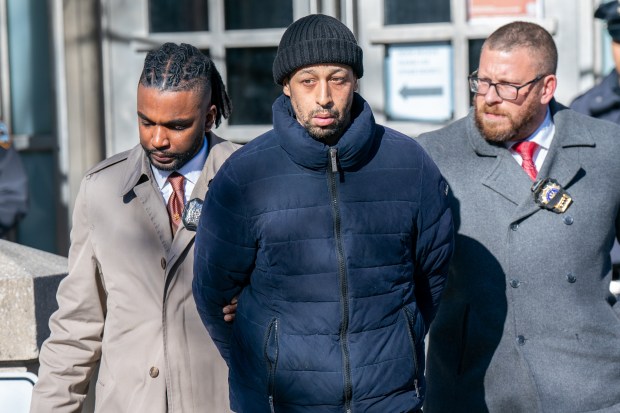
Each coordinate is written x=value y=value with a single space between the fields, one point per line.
x=272 y=330
x=342 y=275
x=412 y=337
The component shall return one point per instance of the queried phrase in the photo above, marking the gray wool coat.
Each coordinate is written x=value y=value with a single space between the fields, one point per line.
x=526 y=322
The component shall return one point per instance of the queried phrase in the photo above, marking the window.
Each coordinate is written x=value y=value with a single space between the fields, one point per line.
x=418 y=53
x=178 y=16
x=416 y=11
x=247 y=14
x=475 y=47
x=250 y=84
x=243 y=45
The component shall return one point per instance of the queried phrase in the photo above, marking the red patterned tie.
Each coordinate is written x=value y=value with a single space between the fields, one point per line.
x=176 y=200
x=526 y=150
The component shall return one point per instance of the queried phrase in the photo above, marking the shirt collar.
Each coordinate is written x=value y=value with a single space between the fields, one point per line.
x=191 y=170
x=543 y=135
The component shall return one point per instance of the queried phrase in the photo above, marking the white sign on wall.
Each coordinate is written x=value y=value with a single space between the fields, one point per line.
x=419 y=82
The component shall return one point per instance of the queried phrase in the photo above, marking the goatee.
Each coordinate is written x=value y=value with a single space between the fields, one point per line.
x=516 y=128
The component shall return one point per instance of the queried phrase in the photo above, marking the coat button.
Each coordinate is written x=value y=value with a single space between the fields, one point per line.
x=163 y=263
x=568 y=220
x=521 y=340
x=514 y=283
x=514 y=227
x=154 y=372
x=571 y=278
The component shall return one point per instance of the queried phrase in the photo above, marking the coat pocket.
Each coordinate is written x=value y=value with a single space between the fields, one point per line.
x=271 y=358
x=464 y=334
x=411 y=318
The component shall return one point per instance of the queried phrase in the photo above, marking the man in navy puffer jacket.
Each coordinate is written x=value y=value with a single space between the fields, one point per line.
x=335 y=233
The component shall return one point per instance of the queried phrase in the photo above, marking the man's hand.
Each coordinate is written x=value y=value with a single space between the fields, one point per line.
x=229 y=310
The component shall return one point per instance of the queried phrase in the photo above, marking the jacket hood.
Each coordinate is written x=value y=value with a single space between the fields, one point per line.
x=354 y=147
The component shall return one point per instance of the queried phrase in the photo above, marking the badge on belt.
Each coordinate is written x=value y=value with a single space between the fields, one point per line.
x=191 y=214
x=549 y=194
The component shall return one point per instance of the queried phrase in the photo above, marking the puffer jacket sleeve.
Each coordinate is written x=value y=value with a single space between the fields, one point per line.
x=435 y=240
x=223 y=256
x=69 y=355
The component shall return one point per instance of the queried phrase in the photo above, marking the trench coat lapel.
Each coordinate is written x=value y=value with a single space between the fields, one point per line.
x=185 y=237
x=139 y=179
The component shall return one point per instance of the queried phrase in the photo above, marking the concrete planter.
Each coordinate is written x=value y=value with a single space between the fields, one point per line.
x=29 y=279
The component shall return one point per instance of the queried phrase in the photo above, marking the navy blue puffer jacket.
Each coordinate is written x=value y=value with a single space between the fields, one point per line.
x=339 y=255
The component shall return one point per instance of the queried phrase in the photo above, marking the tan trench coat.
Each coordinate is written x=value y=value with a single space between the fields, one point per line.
x=127 y=302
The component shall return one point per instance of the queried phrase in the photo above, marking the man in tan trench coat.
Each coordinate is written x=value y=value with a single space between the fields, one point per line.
x=127 y=301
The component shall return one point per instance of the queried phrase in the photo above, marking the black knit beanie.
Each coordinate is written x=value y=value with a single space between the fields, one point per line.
x=314 y=39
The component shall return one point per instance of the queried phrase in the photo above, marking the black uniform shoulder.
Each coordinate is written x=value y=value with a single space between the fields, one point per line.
x=598 y=127
x=600 y=99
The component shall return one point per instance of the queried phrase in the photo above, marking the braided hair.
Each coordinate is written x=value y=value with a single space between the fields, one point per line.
x=183 y=67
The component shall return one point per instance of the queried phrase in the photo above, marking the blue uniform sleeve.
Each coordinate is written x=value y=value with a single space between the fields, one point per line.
x=223 y=256
x=13 y=189
x=435 y=241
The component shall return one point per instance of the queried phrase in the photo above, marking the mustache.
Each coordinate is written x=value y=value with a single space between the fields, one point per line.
x=325 y=112
x=493 y=110
x=161 y=153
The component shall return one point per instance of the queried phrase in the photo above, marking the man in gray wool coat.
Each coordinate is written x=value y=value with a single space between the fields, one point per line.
x=527 y=322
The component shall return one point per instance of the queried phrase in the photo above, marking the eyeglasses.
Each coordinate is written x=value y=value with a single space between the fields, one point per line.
x=505 y=91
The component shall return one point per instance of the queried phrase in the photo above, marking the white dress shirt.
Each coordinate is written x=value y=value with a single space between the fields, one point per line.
x=191 y=171
x=543 y=137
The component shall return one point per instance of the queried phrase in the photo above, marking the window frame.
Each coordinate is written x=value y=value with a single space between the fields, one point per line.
x=377 y=37
x=218 y=39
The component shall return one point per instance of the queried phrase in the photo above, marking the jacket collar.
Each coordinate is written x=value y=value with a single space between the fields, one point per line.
x=138 y=170
x=354 y=147
x=571 y=137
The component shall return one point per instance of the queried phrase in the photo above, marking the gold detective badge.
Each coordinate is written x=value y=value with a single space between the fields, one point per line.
x=549 y=194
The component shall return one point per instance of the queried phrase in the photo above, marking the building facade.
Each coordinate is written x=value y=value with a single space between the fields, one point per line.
x=70 y=70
